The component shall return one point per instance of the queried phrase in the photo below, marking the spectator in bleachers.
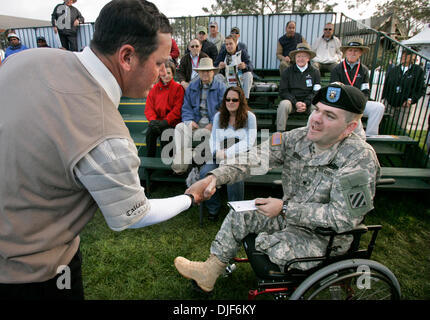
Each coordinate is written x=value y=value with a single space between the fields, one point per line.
x=41 y=42
x=163 y=107
x=234 y=130
x=174 y=52
x=327 y=50
x=215 y=36
x=352 y=72
x=235 y=32
x=236 y=66
x=15 y=45
x=299 y=84
x=201 y=101
x=66 y=19
x=287 y=43
x=404 y=84
x=189 y=61
x=207 y=47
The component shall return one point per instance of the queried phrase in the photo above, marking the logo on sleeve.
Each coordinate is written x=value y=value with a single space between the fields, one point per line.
x=357 y=199
x=134 y=209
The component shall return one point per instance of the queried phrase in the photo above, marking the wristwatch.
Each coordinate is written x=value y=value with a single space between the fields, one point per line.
x=284 y=208
x=193 y=203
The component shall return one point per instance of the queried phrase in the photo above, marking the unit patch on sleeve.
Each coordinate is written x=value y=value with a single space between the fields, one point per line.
x=276 y=139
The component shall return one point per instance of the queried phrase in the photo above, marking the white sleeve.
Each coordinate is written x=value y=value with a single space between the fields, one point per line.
x=110 y=174
x=163 y=209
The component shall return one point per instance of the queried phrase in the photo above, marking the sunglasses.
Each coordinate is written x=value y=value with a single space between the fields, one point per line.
x=234 y=32
x=328 y=29
x=195 y=46
x=232 y=100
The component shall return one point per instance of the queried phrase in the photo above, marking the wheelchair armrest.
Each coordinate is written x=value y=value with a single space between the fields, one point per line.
x=330 y=232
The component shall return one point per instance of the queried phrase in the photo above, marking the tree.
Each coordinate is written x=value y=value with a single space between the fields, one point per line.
x=411 y=14
x=227 y=7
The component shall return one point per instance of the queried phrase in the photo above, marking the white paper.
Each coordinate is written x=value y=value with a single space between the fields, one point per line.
x=240 y=206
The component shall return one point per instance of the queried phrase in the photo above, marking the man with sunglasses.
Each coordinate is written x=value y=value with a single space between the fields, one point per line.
x=189 y=61
x=327 y=50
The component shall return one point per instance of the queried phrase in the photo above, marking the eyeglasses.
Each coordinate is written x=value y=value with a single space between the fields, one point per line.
x=232 y=100
x=195 y=46
x=328 y=29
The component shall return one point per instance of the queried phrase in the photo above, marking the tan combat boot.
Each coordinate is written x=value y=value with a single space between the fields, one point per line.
x=204 y=273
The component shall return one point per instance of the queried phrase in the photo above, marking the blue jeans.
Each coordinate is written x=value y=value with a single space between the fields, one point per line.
x=235 y=191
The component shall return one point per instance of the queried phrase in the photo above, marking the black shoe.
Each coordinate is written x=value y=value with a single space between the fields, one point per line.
x=213 y=217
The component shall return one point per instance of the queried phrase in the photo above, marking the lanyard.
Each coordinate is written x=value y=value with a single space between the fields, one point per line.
x=192 y=62
x=347 y=75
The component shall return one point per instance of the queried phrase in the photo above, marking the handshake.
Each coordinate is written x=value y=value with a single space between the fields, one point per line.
x=203 y=189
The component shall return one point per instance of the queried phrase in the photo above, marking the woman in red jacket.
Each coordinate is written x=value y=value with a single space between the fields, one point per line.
x=163 y=107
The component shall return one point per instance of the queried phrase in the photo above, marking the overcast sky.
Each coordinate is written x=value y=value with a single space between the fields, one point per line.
x=42 y=9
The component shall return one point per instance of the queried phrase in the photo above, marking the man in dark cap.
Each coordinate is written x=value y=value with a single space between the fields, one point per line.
x=328 y=179
x=41 y=42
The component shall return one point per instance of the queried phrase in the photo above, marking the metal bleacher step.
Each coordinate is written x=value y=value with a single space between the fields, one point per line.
x=131 y=106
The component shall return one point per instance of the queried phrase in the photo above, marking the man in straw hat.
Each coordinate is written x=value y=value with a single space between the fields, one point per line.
x=201 y=101
x=352 y=72
x=299 y=84
x=324 y=165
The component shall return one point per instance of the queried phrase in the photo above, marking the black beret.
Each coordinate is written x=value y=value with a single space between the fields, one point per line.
x=341 y=96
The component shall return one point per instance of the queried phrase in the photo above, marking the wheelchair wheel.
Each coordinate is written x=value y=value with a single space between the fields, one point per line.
x=355 y=279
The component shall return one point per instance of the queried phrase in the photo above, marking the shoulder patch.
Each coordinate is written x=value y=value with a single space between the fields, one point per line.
x=276 y=139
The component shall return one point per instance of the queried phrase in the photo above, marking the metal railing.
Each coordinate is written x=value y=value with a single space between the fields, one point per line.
x=384 y=61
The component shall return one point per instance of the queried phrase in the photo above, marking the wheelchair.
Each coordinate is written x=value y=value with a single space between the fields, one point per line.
x=350 y=276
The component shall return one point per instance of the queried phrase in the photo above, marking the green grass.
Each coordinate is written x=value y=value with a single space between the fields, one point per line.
x=138 y=264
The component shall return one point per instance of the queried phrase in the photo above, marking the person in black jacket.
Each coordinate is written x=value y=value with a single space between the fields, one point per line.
x=404 y=86
x=65 y=19
x=352 y=72
x=207 y=47
x=189 y=61
x=299 y=84
x=287 y=43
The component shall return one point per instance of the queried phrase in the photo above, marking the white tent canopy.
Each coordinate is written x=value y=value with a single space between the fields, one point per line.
x=421 y=41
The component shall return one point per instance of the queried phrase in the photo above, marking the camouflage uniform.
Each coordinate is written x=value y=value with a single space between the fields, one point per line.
x=333 y=189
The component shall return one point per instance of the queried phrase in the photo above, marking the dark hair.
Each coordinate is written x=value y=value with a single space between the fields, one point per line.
x=230 y=37
x=241 y=113
x=288 y=23
x=171 y=65
x=133 y=22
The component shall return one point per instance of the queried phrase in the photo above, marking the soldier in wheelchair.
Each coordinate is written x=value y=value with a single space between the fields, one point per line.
x=329 y=176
